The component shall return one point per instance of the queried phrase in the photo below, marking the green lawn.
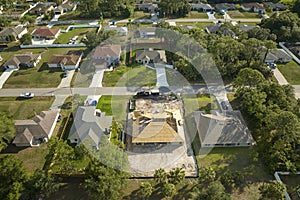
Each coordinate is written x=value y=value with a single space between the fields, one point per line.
x=25 y=108
x=235 y=14
x=250 y=15
x=69 y=191
x=64 y=38
x=205 y=102
x=40 y=76
x=141 y=15
x=110 y=79
x=197 y=15
x=33 y=158
x=291 y=71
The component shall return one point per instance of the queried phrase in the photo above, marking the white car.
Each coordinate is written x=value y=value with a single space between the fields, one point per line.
x=27 y=95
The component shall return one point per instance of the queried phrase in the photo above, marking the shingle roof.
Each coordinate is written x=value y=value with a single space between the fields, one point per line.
x=12 y=31
x=16 y=60
x=218 y=129
x=64 y=59
x=107 y=51
x=45 y=31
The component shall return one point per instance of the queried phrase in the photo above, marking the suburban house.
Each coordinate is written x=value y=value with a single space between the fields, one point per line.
x=69 y=61
x=45 y=33
x=22 y=60
x=201 y=7
x=148 y=7
x=64 y=8
x=42 y=8
x=225 y=7
x=147 y=32
x=278 y=56
x=108 y=55
x=218 y=130
x=253 y=7
x=12 y=34
x=219 y=29
x=121 y=30
x=150 y=56
x=275 y=6
x=33 y=132
x=90 y=125
x=246 y=28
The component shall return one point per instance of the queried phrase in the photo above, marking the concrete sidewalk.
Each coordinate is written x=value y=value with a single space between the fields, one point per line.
x=6 y=74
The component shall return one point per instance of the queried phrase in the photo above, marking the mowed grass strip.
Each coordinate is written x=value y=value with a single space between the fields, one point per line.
x=291 y=71
x=25 y=108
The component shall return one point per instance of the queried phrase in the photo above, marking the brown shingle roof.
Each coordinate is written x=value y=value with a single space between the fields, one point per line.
x=107 y=51
x=45 y=31
x=21 y=58
x=64 y=59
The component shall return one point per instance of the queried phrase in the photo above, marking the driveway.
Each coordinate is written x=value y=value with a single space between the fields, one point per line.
x=5 y=75
x=66 y=82
x=97 y=78
x=211 y=16
x=280 y=78
x=161 y=77
x=58 y=102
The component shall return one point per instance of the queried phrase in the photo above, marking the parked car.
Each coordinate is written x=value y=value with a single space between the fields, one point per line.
x=65 y=74
x=142 y=93
x=224 y=105
x=27 y=95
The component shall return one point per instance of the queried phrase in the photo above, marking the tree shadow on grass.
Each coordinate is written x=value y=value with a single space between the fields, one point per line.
x=12 y=149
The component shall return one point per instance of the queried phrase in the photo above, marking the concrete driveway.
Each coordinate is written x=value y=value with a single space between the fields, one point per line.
x=211 y=16
x=5 y=75
x=66 y=82
x=97 y=78
x=280 y=78
x=161 y=77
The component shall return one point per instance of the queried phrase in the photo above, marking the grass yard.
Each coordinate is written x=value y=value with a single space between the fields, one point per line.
x=235 y=14
x=40 y=76
x=291 y=71
x=69 y=191
x=25 y=108
x=110 y=79
x=64 y=38
x=33 y=158
x=203 y=25
x=239 y=159
x=196 y=15
x=250 y=14
x=205 y=102
x=141 y=15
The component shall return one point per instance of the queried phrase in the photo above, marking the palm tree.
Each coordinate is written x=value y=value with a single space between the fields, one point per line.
x=176 y=175
x=146 y=189
x=161 y=176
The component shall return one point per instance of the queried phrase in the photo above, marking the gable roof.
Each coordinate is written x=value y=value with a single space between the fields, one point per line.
x=64 y=59
x=12 y=31
x=107 y=51
x=217 y=129
x=277 y=54
x=40 y=126
x=88 y=126
x=44 y=31
x=16 y=60
x=253 y=5
x=157 y=132
x=156 y=55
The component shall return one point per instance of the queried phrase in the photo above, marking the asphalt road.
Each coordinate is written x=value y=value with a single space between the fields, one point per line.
x=108 y=90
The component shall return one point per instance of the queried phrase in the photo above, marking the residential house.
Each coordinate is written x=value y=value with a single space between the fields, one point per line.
x=253 y=7
x=42 y=8
x=218 y=130
x=278 y=56
x=147 y=32
x=246 y=28
x=33 y=132
x=12 y=34
x=148 y=7
x=220 y=29
x=89 y=126
x=201 y=7
x=108 y=55
x=150 y=56
x=275 y=6
x=69 y=61
x=121 y=30
x=225 y=7
x=64 y=8
x=45 y=33
x=22 y=60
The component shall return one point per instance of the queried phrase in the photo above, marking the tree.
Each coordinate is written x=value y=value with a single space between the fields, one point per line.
x=232 y=179
x=40 y=185
x=178 y=8
x=168 y=189
x=272 y=191
x=27 y=19
x=104 y=182
x=26 y=39
x=4 y=21
x=7 y=130
x=176 y=175
x=214 y=191
x=146 y=189
x=94 y=39
x=161 y=176
x=206 y=175
x=296 y=7
x=248 y=77
x=12 y=176
x=261 y=34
